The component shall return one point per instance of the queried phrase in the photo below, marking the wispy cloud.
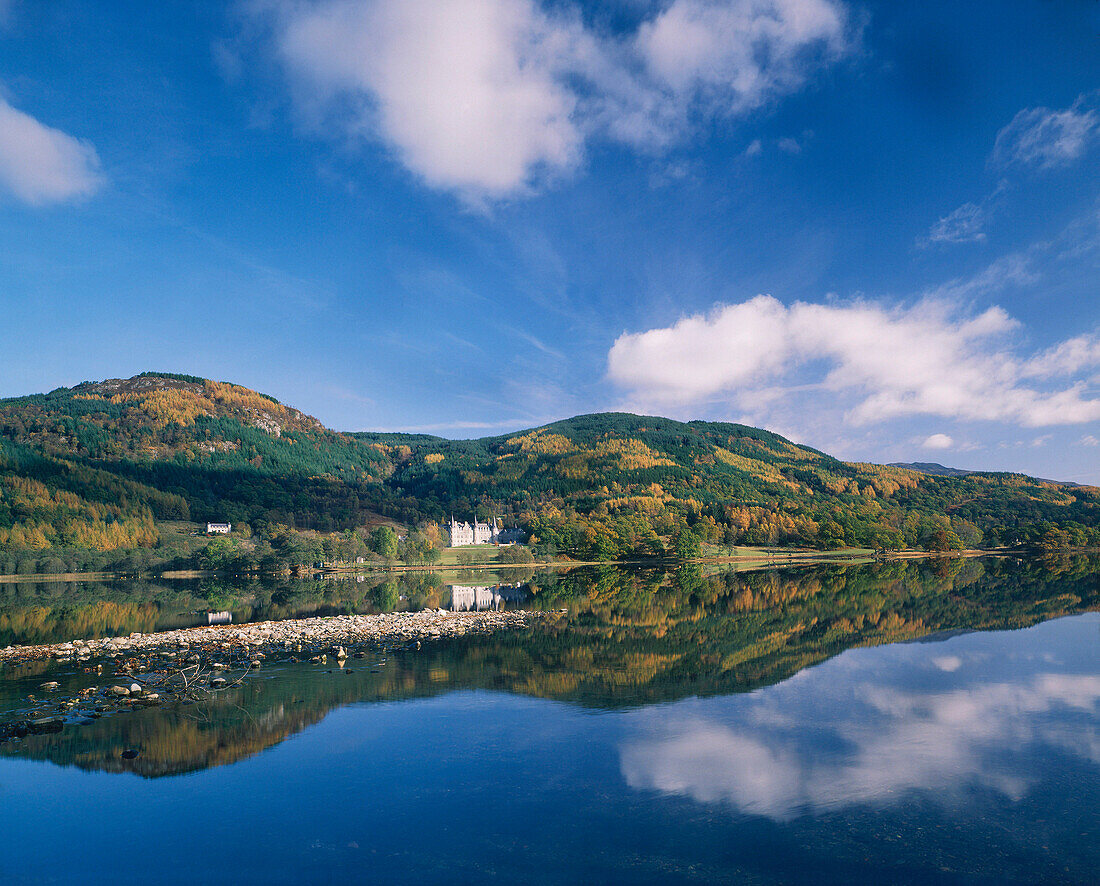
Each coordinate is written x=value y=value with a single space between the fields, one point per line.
x=1044 y=138
x=1036 y=138
x=40 y=164
x=789 y=146
x=1010 y=270
x=535 y=342
x=493 y=98
x=348 y=395
x=965 y=225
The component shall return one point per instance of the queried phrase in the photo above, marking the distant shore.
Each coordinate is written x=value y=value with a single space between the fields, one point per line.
x=764 y=556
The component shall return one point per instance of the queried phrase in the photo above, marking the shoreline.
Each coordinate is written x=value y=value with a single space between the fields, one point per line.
x=183 y=666
x=802 y=556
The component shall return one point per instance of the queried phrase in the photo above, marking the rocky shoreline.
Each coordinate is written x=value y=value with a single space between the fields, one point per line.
x=290 y=636
x=183 y=666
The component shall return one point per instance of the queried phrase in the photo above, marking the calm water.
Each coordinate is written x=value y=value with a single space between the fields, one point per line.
x=881 y=724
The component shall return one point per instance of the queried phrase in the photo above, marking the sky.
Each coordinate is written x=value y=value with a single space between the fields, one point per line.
x=871 y=227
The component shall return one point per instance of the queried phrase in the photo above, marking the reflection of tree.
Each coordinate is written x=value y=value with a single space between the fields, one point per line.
x=50 y=612
x=633 y=637
x=647 y=635
x=238 y=723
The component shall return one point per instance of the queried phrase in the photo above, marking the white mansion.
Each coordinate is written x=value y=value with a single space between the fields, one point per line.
x=463 y=534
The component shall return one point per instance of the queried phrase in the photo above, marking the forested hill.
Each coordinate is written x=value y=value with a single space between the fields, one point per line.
x=103 y=464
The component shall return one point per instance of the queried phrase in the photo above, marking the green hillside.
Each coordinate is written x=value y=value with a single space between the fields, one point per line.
x=104 y=466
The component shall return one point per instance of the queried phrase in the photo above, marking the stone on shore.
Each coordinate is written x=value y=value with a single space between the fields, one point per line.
x=320 y=638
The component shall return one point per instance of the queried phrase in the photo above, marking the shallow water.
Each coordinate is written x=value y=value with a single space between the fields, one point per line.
x=679 y=728
x=42 y=611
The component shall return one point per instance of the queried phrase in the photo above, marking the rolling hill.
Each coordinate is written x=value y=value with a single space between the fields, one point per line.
x=104 y=465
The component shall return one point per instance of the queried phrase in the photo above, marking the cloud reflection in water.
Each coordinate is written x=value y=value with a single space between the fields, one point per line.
x=873 y=727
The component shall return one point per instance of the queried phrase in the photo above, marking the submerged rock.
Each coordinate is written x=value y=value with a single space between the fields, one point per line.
x=45 y=724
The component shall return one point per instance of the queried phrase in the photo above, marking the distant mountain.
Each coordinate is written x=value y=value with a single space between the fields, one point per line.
x=930 y=467
x=937 y=470
x=103 y=464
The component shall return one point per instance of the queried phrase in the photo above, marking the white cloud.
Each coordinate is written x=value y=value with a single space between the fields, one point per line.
x=488 y=98
x=1066 y=358
x=938 y=441
x=740 y=52
x=467 y=92
x=1045 y=138
x=922 y=360
x=40 y=164
x=1089 y=440
x=964 y=225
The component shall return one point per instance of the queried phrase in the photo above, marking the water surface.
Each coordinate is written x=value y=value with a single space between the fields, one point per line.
x=902 y=723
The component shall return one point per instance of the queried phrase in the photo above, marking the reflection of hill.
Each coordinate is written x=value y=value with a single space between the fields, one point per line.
x=647 y=637
x=56 y=611
x=229 y=727
x=633 y=638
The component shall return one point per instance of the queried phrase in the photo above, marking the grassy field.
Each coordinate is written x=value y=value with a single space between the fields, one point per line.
x=490 y=554
x=777 y=553
x=475 y=554
x=184 y=536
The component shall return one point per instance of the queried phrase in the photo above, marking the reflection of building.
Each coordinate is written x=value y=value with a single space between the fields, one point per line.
x=465 y=598
x=463 y=534
x=515 y=593
x=219 y=618
x=472 y=598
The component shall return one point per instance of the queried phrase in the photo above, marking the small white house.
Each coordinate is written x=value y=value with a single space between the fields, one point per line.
x=218 y=528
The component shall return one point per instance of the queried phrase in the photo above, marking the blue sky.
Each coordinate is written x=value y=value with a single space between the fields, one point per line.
x=873 y=227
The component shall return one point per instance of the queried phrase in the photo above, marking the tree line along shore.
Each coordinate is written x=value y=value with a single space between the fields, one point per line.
x=114 y=475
